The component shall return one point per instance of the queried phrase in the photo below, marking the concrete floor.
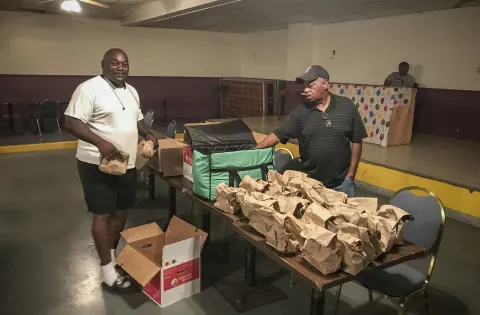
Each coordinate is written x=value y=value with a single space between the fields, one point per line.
x=49 y=266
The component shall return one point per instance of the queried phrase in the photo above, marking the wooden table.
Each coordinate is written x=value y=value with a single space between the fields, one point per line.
x=294 y=263
x=185 y=186
x=320 y=282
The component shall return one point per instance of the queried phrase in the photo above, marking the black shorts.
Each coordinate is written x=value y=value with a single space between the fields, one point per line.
x=105 y=193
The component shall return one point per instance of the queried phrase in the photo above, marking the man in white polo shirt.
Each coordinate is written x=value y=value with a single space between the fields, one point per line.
x=105 y=115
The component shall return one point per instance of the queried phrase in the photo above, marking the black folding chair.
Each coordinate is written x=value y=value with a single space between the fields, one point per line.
x=171 y=130
x=282 y=159
x=48 y=110
x=149 y=118
x=4 y=116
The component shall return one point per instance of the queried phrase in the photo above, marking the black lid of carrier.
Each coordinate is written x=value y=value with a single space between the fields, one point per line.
x=222 y=137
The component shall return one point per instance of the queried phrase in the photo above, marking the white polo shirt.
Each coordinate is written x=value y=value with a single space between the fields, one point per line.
x=99 y=104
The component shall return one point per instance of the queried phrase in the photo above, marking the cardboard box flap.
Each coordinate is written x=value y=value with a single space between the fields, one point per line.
x=259 y=137
x=169 y=144
x=137 y=265
x=179 y=230
x=182 y=251
x=141 y=232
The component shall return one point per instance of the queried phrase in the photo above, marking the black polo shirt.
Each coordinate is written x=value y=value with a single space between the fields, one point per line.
x=325 y=148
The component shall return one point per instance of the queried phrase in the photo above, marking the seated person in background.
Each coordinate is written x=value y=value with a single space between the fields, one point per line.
x=401 y=78
x=329 y=132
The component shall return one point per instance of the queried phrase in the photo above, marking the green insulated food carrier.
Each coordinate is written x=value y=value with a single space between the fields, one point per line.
x=225 y=152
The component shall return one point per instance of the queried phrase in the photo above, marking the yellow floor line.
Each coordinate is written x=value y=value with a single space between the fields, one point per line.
x=453 y=197
x=38 y=147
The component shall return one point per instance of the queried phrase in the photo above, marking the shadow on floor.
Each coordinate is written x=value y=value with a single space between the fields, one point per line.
x=441 y=303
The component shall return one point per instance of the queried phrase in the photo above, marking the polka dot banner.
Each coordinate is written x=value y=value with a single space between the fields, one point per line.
x=375 y=104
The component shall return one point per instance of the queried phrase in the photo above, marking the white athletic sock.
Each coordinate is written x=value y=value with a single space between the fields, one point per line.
x=112 y=254
x=109 y=274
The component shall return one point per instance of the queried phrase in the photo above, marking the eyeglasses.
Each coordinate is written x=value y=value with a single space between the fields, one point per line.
x=328 y=123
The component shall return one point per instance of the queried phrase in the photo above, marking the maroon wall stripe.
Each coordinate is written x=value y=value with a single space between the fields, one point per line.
x=187 y=97
x=450 y=113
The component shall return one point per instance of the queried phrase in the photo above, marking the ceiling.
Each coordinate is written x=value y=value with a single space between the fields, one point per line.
x=261 y=15
x=240 y=16
x=115 y=12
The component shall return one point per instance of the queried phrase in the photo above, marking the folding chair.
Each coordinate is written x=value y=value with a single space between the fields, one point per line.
x=171 y=130
x=401 y=282
x=48 y=109
x=149 y=118
x=282 y=159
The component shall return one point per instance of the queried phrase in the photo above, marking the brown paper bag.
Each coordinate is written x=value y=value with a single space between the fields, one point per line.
x=352 y=246
x=251 y=185
x=343 y=207
x=370 y=223
x=277 y=178
x=308 y=191
x=396 y=217
x=115 y=167
x=254 y=201
x=278 y=237
x=295 y=174
x=291 y=192
x=301 y=176
x=292 y=205
x=321 y=249
x=272 y=226
x=345 y=213
x=318 y=246
x=370 y=205
x=331 y=196
x=273 y=190
x=261 y=219
x=318 y=215
x=227 y=198
x=145 y=149
x=386 y=233
x=295 y=226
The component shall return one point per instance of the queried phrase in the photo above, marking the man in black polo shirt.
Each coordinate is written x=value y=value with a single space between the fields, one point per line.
x=329 y=132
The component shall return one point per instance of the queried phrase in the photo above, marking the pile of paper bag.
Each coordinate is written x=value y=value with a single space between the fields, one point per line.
x=297 y=214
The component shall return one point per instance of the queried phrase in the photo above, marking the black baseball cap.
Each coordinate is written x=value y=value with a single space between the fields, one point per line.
x=312 y=73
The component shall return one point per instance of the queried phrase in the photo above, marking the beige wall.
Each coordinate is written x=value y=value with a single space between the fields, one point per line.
x=300 y=49
x=443 y=48
x=264 y=55
x=49 y=44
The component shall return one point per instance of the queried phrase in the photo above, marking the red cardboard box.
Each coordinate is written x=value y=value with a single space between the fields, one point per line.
x=166 y=264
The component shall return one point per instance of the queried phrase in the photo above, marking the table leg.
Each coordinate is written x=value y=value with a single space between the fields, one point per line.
x=206 y=224
x=151 y=184
x=172 y=201
x=250 y=260
x=317 y=302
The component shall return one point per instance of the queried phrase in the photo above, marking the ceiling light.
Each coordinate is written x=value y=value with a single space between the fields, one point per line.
x=71 y=6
